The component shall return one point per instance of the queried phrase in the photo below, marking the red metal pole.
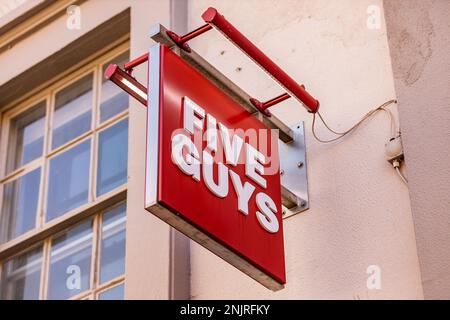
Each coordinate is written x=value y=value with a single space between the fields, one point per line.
x=127 y=83
x=215 y=19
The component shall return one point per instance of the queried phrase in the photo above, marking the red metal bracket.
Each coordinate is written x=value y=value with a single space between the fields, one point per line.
x=134 y=63
x=181 y=40
x=264 y=106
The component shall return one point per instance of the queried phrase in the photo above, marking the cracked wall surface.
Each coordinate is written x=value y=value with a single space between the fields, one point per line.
x=411 y=44
x=419 y=41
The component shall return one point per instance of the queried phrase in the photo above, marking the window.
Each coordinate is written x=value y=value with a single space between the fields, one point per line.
x=87 y=260
x=73 y=111
x=113 y=99
x=112 y=157
x=70 y=262
x=19 y=210
x=112 y=259
x=68 y=180
x=81 y=157
x=116 y=293
x=64 y=154
x=21 y=276
x=26 y=139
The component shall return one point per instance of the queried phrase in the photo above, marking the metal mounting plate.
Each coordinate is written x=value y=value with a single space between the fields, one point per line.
x=294 y=179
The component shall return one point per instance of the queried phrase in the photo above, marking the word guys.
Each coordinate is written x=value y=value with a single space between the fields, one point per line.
x=200 y=165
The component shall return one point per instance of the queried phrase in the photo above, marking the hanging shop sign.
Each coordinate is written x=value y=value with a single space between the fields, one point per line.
x=213 y=164
x=213 y=169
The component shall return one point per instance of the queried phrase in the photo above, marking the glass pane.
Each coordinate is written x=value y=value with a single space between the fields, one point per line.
x=21 y=276
x=70 y=262
x=112 y=157
x=26 y=140
x=113 y=99
x=68 y=180
x=20 y=199
x=73 y=112
x=116 y=293
x=112 y=257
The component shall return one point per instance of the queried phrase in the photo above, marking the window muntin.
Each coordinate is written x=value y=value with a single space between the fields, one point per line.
x=112 y=252
x=21 y=276
x=112 y=157
x=73 y=111
x=19 y=209
x=115 y=293
x=113 y=100
x=68 y=180
x=70 y=262
x=26 y=138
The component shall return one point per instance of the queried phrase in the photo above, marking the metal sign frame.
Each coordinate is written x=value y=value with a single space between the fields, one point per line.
x=157 y=203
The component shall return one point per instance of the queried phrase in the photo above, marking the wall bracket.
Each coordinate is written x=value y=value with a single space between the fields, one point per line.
x=294 y=179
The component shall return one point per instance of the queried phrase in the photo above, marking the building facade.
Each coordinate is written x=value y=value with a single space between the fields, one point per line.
x=72 y=150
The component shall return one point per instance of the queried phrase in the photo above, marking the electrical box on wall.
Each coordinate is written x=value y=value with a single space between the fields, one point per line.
x=394 y=149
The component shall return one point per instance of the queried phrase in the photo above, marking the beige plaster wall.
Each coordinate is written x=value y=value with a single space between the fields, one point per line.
x=360 y=213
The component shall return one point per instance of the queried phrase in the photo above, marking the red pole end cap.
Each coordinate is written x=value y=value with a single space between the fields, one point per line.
x=315 y=108
x=209 y=15
x=111 y=70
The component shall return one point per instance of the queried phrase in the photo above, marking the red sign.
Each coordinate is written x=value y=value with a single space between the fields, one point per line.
x=213 y=169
